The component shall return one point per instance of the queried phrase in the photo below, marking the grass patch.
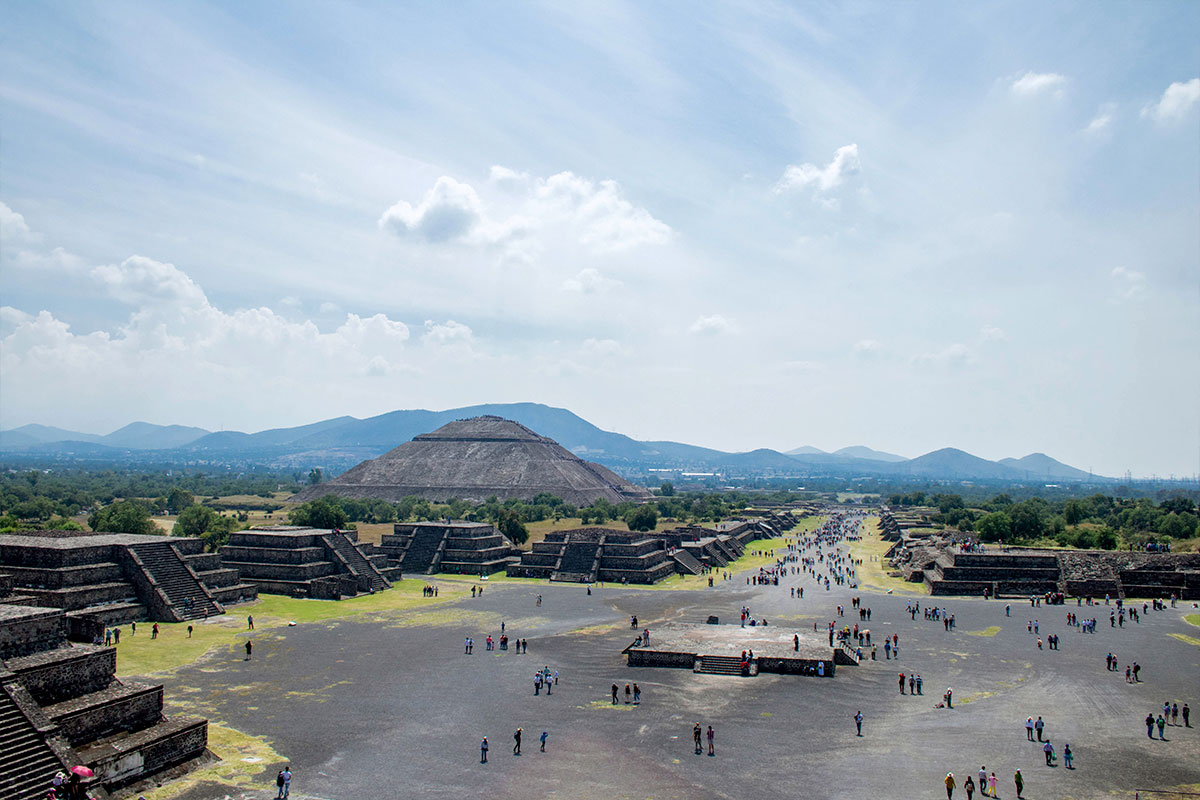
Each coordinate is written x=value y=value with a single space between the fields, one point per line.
x=989 y=631
x=246 y=762
x=1192 y=619
x=1183 y=637
x=141 y=655
x=872 y=574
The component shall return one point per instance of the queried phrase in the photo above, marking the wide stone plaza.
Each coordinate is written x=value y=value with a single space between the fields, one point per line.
x=387 y=704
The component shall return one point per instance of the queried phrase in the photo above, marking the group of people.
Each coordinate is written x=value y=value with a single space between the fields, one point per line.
x=986 y=784
x=1168 y=716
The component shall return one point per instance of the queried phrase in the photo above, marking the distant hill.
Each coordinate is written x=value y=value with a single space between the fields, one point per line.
x=861 y=451
x=951 y=462
x=339 y=443
x=146 y=436
x=1040 y=466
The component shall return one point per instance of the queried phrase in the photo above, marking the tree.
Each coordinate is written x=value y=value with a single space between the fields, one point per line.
x=123 y=516
x=642 y=518
x=1074 y=512
x=994 y=527
x=324 y=512
x=667 y=489
x=179 y=499
x=314 y=476
x=509 y=523
x=193 y=521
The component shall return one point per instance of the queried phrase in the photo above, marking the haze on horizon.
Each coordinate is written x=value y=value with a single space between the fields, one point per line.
x=907 y=226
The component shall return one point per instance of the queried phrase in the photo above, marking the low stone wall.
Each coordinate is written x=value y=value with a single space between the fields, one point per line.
x=794 y=666
x=149 y=751
x=653 y=575
x=654 y=658
x=31 y=632
x=123 y=710
x=61 y=674
x=260 y=571
x=65 y=577
x=268 y=555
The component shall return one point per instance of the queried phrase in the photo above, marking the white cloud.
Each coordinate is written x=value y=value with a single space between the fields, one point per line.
x=990 y=333
x=867 y=348
x=141 y=281
x=329 y=308
x=601 y=348
x=844 y=163
x=713 y=325
x=1175 y=102
x=446 y=333
x=952 y=356
x=590 y=281
x=13 y=227
x=1127 y=284
x=592 y=213
x=1102 y=120
x=1034 y=83
x=57 y=260
x=449 y=212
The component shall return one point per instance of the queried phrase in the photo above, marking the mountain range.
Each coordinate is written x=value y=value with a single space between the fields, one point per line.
x=339 y=443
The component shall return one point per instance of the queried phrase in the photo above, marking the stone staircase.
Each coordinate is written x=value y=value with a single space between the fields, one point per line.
x=686 y=563
x=184 y=592
x=356 y=562
x=27 y=764
x=722 y=665
x=422 y=550
x=578 y=563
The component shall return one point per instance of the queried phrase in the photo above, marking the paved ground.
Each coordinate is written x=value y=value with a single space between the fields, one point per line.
x=391 y=707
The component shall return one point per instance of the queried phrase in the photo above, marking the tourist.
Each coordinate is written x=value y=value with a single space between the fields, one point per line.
x=1018 y=779
x=249 y=649
x=950 y=785
x=154 y=631
x=1029 y=728
x=1048 y=749
x=949 y=697
x=982 y=780
x=1068 y=756
x=284 y=782
x=1149 y=726
x=249 y=623
x=483 y=748
x=1187 y=713
x=993 y=780
x=545 y=735
x=1039 y=726
x=116 y=636
x=1162 y=724
x=919 y=685
x=696 y=734
x=133 y=629
x=969 y=787
x=628 y=693
x=858 y=718
x=637 y=692
x=517 y=742
x=1175 y=714
x=901 y=682
x=711 y=733
x=615 y=689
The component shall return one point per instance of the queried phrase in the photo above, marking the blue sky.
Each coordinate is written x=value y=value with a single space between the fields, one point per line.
x=908 y=225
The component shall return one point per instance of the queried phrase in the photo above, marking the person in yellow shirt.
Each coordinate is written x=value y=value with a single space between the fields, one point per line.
x=950 y=784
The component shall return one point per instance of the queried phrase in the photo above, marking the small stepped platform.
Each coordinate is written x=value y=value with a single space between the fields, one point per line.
x=724 y=665
x=686 y=563
x=718 y=649
x=166 y=569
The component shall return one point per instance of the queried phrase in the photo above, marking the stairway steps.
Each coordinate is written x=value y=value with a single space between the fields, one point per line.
x=26 y=762
x=179 y=585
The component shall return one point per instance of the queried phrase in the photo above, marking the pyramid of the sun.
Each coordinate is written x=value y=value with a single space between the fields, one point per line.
x=474 y=459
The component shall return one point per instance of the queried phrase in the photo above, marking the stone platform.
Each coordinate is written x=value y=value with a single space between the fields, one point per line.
x=717 y=649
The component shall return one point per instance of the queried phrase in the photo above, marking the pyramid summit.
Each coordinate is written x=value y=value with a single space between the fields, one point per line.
x=474 y=459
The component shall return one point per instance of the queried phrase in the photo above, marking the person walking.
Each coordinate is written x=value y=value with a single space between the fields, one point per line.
x=1162 y=724
x=1019 y=780
x=993 y=781
x=483 y=748
x=1068 y=756
x=696 y=734
x=614 y=694
x=1048 y=750
x=545 y=735
x=901 y=683
x=249 y=649
x=1149 y=726
x=1187 y=712
x=969 y=787
x=1029 y=728
x=711 y=733
x=250 y=623
x=637 y=692
x=285 y=782
x=950 y=785
x=858 y=718
x=517 y=742
x=1039 y=726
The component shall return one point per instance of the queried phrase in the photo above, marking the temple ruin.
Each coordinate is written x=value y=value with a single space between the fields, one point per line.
x=474 y=459
x=307 y=562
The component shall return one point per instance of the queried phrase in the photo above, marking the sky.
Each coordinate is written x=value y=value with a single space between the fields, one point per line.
x=738 y=225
